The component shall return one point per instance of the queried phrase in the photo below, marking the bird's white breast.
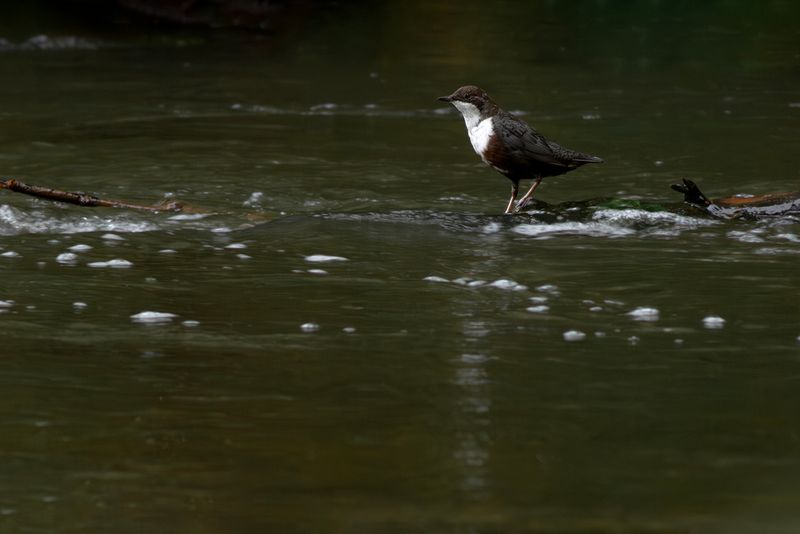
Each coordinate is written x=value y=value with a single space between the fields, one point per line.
x=479 y=131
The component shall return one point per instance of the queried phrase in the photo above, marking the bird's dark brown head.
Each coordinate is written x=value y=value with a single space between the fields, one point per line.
x=471 y=94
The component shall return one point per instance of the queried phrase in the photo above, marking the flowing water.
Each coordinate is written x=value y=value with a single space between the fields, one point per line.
x=350 y=336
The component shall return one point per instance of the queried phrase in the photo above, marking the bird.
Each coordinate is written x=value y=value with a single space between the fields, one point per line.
x=510 y=146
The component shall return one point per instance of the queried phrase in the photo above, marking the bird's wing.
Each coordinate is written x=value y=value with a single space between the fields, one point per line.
x=524 y=141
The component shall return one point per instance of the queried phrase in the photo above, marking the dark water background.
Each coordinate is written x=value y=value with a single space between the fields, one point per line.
x=407 y=403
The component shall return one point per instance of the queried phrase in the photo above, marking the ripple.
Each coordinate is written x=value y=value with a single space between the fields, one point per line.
x=45 y=42
x=593 y=229
x=14 y=222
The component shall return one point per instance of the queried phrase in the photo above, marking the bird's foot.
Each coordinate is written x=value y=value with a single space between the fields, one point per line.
x=521 y=205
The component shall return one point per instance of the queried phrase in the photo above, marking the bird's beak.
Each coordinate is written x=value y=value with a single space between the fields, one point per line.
x=445 y=99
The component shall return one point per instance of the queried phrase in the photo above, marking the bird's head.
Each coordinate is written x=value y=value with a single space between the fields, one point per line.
x=471 y=100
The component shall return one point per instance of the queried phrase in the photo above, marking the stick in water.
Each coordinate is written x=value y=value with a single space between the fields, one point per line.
x=82 y=199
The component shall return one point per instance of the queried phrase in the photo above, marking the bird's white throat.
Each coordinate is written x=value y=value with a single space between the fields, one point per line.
x=479 y=131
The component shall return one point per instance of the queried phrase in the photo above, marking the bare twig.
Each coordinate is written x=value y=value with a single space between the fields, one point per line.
x=82 y=199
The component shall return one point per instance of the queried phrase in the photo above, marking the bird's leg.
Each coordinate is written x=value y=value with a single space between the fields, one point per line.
x=524 y=200
x=514 y=193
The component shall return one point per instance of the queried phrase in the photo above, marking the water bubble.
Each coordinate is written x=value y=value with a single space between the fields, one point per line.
x=644 y=313
x=507 y=284
x=574 y=335
x=153 y=317
x=116 y=263
x=713 y=322
x=67 y=258
x=542 y=308
x=321 y=258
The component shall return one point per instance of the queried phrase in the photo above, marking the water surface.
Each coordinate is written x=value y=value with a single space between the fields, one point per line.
x=358 y=340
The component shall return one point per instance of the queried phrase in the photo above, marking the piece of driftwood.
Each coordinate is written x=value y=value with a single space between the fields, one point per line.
x=82 y=199
x=751 y=207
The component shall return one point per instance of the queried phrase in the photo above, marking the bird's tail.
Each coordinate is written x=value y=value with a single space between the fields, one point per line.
x=580 y=157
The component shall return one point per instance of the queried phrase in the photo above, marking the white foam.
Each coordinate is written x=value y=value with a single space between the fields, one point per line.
x=713 y=322
x=594 y=229
x=574 y=335
x=745 y=237
x=153 y=317
x=644 y=313
x=436 y=279
x=542 y=308
x=116 y=263
x=322 y=258
x=253 y=200
x=79 y=305
x=317 y=271
x=188 y=216
x=10 y=254
x=67 y=258
x=189 y=323
x=14 y=221
x=639 y=218
x=538 y=299
x=236 y=246
x=80 y=248
x=309 y=327
x=548 y=288
x=789 y=237
x=508 y=285
x=6 y=303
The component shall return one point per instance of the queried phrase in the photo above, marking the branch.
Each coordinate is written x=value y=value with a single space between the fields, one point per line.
x=82 y=199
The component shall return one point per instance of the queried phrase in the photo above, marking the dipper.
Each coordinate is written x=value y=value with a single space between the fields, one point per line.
x=511 y=147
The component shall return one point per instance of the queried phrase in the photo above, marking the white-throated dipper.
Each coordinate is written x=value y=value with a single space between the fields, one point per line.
x=510 y=146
